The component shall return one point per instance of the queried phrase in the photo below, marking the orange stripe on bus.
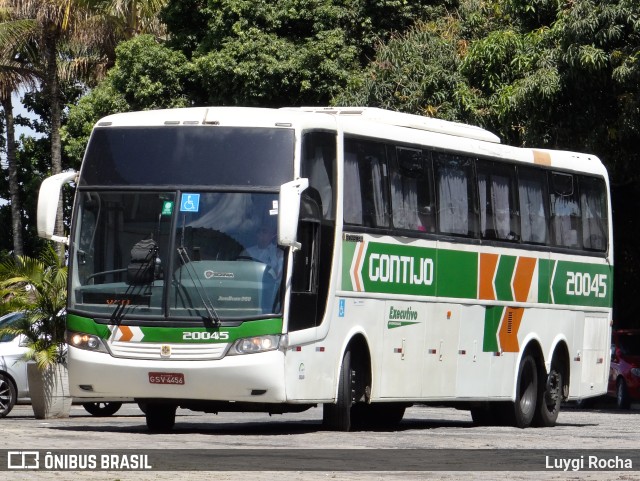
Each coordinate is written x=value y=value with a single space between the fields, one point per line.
x=357 y=269
x=523 y=278
x=508 y=334
x=127 y=333
x=488 y=263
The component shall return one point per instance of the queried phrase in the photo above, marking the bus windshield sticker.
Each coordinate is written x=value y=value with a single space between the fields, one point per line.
x=167 y=207
x=190 y=202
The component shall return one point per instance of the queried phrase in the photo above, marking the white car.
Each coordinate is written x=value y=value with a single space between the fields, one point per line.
x=14 y=386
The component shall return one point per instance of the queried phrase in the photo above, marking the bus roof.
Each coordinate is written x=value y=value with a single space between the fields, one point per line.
x=368 y=122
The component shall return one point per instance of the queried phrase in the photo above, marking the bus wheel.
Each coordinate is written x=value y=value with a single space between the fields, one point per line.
x=524 y=407
x=160 y=417
x=549 y=400
x=622 y=395
x=102 y=409
x=337 y=417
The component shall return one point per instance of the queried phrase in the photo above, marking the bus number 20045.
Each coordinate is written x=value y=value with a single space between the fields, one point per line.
x=584 y=284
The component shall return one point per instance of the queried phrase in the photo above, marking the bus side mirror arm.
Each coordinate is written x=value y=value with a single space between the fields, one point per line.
x=289 y=212
x=48 y=201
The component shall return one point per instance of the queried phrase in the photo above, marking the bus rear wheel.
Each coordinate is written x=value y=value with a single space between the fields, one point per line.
x=549 y=400
x=522 y=410
x=160 y=417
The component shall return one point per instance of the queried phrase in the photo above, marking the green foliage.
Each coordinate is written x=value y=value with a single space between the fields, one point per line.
x=149 y=75
x=289 y=52
x=263 y=69
x=146 y=75
x=38 y=287
x=100 y=102
x=416 y=73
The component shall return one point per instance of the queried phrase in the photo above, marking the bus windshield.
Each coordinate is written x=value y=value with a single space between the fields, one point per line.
x=184 y=254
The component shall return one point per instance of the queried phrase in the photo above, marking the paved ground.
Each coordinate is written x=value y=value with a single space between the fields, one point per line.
x=422 y=428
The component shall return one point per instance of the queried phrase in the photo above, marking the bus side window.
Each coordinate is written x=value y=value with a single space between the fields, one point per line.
x=534 y=207
x=365 y=194
x=318 y=159
x=412 y=197
x=455 y=192
x=498 y=201
x=593 y=204
x=565 y=210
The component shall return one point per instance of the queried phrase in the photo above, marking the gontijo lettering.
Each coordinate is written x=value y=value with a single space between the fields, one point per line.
x=400 y=269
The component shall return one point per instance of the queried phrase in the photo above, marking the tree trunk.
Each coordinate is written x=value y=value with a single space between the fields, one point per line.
x=53 y=93
x=14 y=187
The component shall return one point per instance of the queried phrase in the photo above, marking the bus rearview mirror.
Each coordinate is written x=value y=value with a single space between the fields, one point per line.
x=289 y=212
x=48 y=201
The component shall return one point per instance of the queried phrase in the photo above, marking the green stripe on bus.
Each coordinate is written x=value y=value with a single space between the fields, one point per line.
x=426 y=271
x=504 y=276
x=545 y=266
x=580 y=284
x=177 y=334
x=492 y=317
x=87 y=326
x=348 y=251
x=457 y=274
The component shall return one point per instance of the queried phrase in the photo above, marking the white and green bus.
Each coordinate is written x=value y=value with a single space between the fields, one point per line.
x=241 y=259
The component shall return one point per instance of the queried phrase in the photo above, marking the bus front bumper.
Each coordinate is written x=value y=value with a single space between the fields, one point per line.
x=255 y=377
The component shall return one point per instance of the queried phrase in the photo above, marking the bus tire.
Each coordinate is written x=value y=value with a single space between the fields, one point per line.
x=521 y=411
x=622 y=395
x=102 y=409
x=549 y=400
x=337 y=417
x=160 y=417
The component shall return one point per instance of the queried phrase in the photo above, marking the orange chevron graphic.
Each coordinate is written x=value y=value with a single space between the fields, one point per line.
x=356 y=276
x=523 y=277
x=509 y=326
x=488 y=264
x=127 y=334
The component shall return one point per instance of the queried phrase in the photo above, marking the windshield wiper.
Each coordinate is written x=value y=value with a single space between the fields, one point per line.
x=202 y=293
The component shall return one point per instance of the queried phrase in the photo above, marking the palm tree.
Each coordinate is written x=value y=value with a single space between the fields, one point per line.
x=132 y=17
x=38 y=287
x=13 y=75
x=69 y=41
x=52 y=33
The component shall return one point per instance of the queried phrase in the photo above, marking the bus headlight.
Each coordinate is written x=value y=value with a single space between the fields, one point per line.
x=88 y=342
x=250 y=345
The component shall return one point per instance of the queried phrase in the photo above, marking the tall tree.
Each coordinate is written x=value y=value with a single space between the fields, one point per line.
x=290 y=52
x=55 y=46
x=13 y=74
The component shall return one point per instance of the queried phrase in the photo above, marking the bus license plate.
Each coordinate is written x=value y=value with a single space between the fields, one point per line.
x=166 y=378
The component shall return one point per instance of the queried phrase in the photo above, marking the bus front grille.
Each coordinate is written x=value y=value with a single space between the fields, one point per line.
x=159 y=351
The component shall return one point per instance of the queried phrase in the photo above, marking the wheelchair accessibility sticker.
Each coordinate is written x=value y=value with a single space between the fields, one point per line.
x=190 y=202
